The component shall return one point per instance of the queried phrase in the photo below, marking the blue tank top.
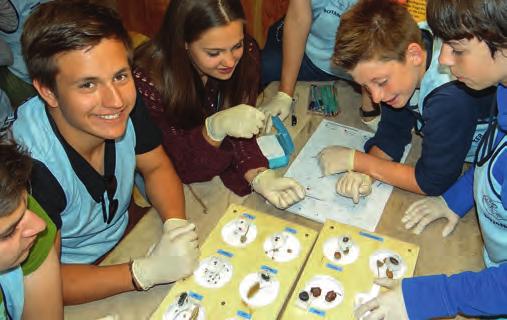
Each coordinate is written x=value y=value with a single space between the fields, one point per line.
x=13 y=294
x=15 y=15
x=84 y=235
x=488 y=192
x=321 y=39
x=435 y=76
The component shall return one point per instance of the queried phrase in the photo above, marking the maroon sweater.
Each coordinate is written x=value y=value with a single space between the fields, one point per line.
x=193 y=157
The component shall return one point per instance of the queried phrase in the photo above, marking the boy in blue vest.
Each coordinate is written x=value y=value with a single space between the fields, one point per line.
x=396 y=60
x=89 y=133
x=29 y=266
x=475 y=50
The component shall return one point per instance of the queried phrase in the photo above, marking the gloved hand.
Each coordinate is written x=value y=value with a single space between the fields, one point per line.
x=279 y=105
x=353 y=185
x=280 y=192
x=336 y=159
x=427 y=210
x=175 y=256
x=173 y=223
x=241 y=121
x=387 y=306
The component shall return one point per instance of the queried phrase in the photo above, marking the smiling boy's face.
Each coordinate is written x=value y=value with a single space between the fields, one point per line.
x=94 y=92
x=391 y=82
x=18 y=231
x=470 y=62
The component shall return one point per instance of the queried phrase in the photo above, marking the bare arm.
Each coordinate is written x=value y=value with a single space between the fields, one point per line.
x=250 y=174
x=163 y=186
x=43 y=290
x=212 y=142
x=297 y=25
x=84 y=283
x=378 y=165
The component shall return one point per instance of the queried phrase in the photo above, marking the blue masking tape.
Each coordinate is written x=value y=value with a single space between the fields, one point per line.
x=225 y=253
x=248 y=216
x=371 y=236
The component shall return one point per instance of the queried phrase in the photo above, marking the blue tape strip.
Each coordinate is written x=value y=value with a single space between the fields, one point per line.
x=269 y=269
x=196 y=296
x=318 y=312
x=244 y=315
x=291 y=230
x=371 y=236
x=248 y=216
x=334 y=267
x=225 y=253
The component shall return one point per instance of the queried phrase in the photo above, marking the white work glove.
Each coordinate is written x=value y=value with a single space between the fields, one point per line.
x=336 y=159
x=389 y=305
x=280 y=192
x=353 y=185
x=279 y=106
x=427 y=210
x=175 y=256
x=241 y=121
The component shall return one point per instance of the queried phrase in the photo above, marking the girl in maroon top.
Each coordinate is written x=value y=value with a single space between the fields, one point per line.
x=199 y=78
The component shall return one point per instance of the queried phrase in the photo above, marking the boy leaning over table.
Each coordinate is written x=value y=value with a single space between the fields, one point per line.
x=474 y=34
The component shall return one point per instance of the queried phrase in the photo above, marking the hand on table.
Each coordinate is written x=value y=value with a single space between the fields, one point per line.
x=280 y=192
x=241 y=121
x=354 y=185
x=336 y=159
x=388 y=305
x=427 y=210
x=175 y=256
x=279 y=106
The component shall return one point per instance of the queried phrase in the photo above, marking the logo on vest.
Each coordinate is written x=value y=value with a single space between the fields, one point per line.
x=491 y=211
x=477 y=137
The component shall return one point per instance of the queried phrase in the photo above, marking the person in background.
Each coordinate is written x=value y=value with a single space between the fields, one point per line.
x=396 y=60
x=474 y=35
x=300 y=47
x=14 y=78
x=199 y=79
x=6 y=59
x=29 y=267
x=89 y=132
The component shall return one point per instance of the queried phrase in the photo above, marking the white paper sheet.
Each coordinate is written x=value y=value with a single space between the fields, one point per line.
x=322 y=201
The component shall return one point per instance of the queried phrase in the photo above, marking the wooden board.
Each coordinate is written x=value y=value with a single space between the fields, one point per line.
x=252 y=260
x=352 y=272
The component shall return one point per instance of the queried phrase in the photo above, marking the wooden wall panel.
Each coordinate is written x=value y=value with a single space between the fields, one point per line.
x=145 y=16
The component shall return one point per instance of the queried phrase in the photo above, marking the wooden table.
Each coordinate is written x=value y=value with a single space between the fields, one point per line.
x=206 y=202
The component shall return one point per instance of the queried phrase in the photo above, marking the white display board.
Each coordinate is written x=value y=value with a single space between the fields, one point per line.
x=322 y=202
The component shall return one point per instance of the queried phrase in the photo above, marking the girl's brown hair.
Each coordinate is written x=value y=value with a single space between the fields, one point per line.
x=168 y=63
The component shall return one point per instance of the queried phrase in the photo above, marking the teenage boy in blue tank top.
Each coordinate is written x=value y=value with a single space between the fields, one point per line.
x=89 y=133
x=29 y=266
x=396 y=60
x=475 y=50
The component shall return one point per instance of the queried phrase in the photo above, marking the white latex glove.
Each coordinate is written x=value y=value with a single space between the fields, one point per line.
x=173 y=223
x=427 y=210
x=241 y=121
x=280 y=192
x=279 y=106
x=336 y=159
x=175 y=256
x=353 y=185
x=389 y=305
